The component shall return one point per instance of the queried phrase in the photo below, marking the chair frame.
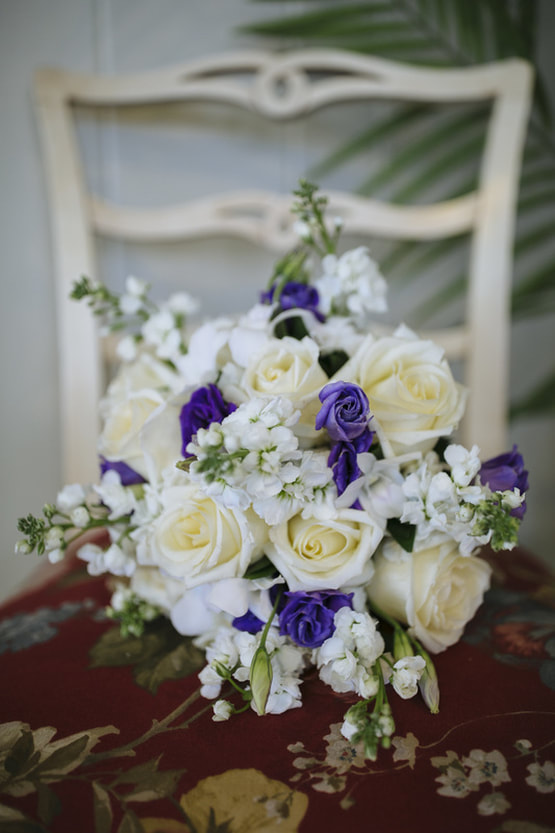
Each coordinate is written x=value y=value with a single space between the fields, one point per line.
x=283 y=86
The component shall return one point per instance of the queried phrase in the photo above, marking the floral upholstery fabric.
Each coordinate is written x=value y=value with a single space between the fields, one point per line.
x=100 y=733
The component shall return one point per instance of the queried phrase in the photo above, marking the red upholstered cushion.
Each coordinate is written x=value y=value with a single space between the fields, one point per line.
x=101 y=734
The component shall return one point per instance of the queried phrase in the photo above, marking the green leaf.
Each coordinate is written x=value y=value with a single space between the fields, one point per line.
x=159 y=785
x=438 y=168
x=332 y=362
x=402 y=533
x=402 y=119
x=539 y=402
x=103 y=814
x=20 y=753
x=423 y=147
x=263 y=568
x=159 y=654
x=451 y=292
x=65 y=758
x=49 y=805
x=22 y=825
x=130 y=824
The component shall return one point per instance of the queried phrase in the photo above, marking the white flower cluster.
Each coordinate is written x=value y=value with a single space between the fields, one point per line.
x=229 y=656
x=162 y=330
x=252 y=458
x=351 y=284
x=345 y=661
x=443 y=501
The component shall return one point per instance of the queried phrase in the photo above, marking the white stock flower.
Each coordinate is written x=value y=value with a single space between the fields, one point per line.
x=410 y=388
x=222 y=710
x=435 y=591
x=54 y=538
x=79 y=516
x=345 y=659
x=113 y=560
x=198 y=540
x=70 y=497
x=315 y=554
x=126 y=349
x=207 y=352
x=119 y=499
x=182 y=303
x=406 y=674
x=464 y=464
x=351 y=284
x=136 y=287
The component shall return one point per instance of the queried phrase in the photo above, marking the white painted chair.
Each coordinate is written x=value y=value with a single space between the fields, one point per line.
x=279 y=87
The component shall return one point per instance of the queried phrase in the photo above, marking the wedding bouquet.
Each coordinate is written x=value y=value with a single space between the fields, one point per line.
x=285 y=487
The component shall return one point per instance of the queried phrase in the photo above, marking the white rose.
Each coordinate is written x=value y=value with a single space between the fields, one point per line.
x=198 y=540
x=136 y=392
x=289 y=367
x=410 y=389
x=435 y=591
x=156 y=588
x=314 y=554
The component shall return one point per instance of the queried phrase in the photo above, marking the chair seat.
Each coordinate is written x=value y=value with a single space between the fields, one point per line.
x=111 y=734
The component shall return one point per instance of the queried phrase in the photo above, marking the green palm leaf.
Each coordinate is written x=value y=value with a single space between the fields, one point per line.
x=435 y=32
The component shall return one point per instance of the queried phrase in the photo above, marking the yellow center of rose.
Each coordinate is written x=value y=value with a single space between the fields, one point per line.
x=315 y=542
x=190 y=533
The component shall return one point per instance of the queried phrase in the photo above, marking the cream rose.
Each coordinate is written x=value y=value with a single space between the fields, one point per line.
x=410 y=389
x=435 y=591
x=289 y=367
x=198 y=541
x=133 y=396
x=315 y=554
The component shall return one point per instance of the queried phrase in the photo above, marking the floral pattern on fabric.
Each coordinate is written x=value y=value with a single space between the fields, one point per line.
x=27 y=629
x=518 y=631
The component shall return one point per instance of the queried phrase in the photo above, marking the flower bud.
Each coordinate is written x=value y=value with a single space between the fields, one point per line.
x=23 y=546
x=80 y=517
x=55 y=555
x=222 y=710
x=261 y=679
x=402 y=646
x=428 y=683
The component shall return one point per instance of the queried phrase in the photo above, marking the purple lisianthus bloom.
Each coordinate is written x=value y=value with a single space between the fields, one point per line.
x=505 y=473
x=295 y=295
x=343 y=460
x=307 y=618
x=248 y=622
x=205 y=406
x=127 y=475
x=345 y=411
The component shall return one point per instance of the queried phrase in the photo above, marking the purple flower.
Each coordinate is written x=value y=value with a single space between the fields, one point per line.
x=345 y=411
x=295 y=295
x=248 y=622
x=506 y=472
x=205 y=406
x=128 y=476
x=343 y=460
x=307 y=618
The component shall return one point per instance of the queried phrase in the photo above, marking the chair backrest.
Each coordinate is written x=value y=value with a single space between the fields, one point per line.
x=281 y=87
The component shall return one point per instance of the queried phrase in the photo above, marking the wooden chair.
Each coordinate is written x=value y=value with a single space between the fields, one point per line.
x=282 y=87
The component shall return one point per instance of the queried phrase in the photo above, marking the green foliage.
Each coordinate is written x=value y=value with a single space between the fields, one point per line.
x=439 y=156
x=133 y=615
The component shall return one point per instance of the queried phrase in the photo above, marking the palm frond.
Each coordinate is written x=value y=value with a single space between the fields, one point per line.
x=439 y=158
x=540 y=402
